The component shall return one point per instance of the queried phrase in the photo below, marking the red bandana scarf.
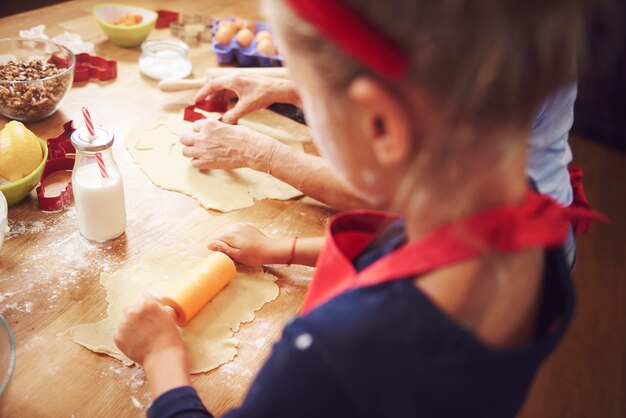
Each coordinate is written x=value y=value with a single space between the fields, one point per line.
x=538 y=222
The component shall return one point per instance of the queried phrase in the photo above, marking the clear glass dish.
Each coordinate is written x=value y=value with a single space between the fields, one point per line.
x=33 y=100
x=165 y=58
x=7 y=354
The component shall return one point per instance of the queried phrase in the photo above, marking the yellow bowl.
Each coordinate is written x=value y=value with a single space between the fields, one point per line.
x=18 y=190
x=124 y=36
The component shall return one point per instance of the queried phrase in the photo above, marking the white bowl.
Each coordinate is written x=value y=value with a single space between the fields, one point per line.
x=3 y=218
x=7 y=354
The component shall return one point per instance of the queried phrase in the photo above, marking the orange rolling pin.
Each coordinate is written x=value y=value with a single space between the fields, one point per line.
x=200 y=285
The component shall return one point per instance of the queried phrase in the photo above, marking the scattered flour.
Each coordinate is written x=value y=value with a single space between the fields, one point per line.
x=5 y=296
x=34 y=342
x=26 y=307
x=75 y=255
x=134 y=377
x=24 y=227
x=233 y=368
x=136 y=403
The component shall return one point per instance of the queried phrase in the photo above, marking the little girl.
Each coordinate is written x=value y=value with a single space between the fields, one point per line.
x=448 y=306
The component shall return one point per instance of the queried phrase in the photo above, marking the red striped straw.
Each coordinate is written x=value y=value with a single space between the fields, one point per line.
x=92 y=134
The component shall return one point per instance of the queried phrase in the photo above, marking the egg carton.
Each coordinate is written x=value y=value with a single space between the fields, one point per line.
x=233 y=53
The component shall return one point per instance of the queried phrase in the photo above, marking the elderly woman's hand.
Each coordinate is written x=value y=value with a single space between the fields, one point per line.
x=217 y=145
x=254 y=93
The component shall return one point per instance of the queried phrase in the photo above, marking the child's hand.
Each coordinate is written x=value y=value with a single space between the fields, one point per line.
x=148 y=329
x=245 y=244
x=148 y=335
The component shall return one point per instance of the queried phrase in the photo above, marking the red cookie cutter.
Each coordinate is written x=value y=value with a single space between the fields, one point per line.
x=165 y=18
x=88 y=67
x=219 y=105
x=59 y=159
x=94 y=66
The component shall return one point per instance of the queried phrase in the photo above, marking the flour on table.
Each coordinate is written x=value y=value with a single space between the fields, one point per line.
x=25 y=227
x=209 y=337
x=155 y=146
x=40 y=289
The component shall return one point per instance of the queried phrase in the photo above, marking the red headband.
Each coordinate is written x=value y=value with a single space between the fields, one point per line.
x=351 y=32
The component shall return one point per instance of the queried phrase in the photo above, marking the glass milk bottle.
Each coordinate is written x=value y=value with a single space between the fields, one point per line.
x=97 y=185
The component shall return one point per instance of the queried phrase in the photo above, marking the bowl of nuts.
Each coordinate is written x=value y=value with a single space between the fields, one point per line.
x=35 y=75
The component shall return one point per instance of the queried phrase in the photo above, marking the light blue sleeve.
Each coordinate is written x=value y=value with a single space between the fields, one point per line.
x=549 y=152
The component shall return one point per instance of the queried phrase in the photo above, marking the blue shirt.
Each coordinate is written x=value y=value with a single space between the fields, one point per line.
x=388 y=351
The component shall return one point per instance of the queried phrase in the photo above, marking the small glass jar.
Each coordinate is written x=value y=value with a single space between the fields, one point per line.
x=165 y=58
x=97 y=186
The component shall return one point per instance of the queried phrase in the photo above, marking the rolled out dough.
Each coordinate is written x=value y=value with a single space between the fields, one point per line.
x=209 y=336
x=155 y=146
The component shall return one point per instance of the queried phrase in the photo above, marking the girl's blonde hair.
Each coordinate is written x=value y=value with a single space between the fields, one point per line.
x=486 y=63
x=484 y=60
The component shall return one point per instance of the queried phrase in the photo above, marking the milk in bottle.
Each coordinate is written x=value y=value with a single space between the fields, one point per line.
x=97 y=185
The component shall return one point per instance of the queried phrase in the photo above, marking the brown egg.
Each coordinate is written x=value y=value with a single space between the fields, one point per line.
x=224 y=35
x=249 y=24
x=239 y=23
x=266 y=47
x=227 y=24
x=263 y=35
x=245 y=24
x=245 y=37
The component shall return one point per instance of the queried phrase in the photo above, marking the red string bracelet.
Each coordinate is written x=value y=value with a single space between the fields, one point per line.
x=293 y=251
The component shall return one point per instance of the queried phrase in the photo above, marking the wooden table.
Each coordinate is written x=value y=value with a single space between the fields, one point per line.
x=49 y=274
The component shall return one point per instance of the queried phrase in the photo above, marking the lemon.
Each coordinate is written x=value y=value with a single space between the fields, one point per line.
x=20 y=151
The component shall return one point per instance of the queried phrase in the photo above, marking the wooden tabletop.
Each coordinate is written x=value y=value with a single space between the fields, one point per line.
x=49 y=273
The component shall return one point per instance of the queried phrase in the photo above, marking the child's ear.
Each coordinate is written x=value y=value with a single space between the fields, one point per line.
x=386 y=121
